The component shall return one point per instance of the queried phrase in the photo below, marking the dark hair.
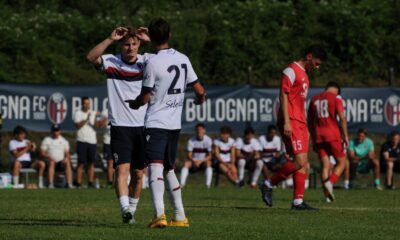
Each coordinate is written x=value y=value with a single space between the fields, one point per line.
x=84 y=98
x=225 y=129
x=394 y=133
x=270 y=128
x=317 y=51
x=19 y=129
x=362 y=130
x=249 y=130
x=159 y=31
x=200 y=125
x=131 y=34
x=333 y=84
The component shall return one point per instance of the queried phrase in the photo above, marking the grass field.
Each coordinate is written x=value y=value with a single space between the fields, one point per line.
x=217 y=213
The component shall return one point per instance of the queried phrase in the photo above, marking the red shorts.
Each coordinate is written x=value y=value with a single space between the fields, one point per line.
x=298 y=142
x=333 y=148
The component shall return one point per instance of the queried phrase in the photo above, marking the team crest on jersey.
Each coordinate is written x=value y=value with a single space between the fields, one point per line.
x=392 y=110
x=57 y=108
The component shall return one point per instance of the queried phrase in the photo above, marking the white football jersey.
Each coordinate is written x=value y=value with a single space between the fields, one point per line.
x=124 y=82
x=55 y=147
x=107 y=130
x=19 y=145
x=86 y=133
x=247 y=147
x=167 y=74
x=225 y=149
x=199 y=148
x=270 y=147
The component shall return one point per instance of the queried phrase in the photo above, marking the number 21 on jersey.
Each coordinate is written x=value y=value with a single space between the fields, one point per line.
x=173 y=68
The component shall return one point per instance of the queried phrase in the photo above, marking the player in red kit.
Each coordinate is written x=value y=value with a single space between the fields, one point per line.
x=293 y=126
x=326 y=135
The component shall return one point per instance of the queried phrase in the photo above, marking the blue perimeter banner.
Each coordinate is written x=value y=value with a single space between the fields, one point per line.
x=38 y=106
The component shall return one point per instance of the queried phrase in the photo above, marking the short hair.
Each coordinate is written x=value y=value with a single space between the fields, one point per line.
x=130 y=34
x=333 y=84
x=270 y=128
x=394 y=133
x=317 y=51
x=200 y=125
x=19 y=129
x=225 y=129
x=362 y=130
x=159 y=31
x=249 y=130
x=84 y=98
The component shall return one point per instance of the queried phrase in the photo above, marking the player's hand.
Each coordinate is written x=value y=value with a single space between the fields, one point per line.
x=143 y=34
x=287 y=130
x=133 y=104
x=200 y=99
x=118 y=33
x=346 y=141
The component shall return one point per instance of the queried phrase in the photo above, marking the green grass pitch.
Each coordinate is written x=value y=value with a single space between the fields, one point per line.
x=218 y=213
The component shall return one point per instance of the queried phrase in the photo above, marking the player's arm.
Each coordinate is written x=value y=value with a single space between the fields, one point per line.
x=257 y=155
x=217 y=154
x=142 y=99
x=283 y=98
x=80 y=123
x=94 y=55
x=310 y=122
x=190 y=155
x=67 y=155
x=233 y=156
x=353 y=156
x=386 y=156
x=343 y=124
x=18 y=153
x=200 y=93
x=208 y=157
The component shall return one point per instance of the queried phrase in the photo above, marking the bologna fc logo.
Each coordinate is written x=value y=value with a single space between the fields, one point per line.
x=392 y=110
x=57 y=108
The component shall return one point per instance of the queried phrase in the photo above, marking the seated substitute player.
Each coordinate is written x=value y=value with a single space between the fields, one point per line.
x=199 y=150
x=166 y=77
x=224 y=152
x=248 y=155
x=324 y=108
x=293 y=126
x=362 y=149
x=55 y=149
x=124 y=72
x=20 y=149
x=271 y=151
x=390 y=154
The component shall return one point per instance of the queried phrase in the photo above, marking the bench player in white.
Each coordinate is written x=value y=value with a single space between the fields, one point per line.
x=199 y=149
x=107 y=153
x=248 y=154
x=224 y=152
x=124 y=73
x=166 y=77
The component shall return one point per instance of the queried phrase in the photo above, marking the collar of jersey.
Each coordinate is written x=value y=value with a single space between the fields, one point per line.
x=128 y=63
x=164 y=49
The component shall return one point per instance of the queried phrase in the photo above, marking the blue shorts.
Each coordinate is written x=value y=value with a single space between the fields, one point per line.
x=86 y=152
x=161 y=146
x=25 y=164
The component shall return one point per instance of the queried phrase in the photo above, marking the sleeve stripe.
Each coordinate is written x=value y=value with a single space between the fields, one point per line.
x=147 y=88
x=289 y=72
x=192 y=83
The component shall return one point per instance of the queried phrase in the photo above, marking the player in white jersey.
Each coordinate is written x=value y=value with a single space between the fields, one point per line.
x=124 y=73
x=199 y=150
x=166 y=77
x=20 y=149
x=224 y=152
x=56 y=149
x=248 y=154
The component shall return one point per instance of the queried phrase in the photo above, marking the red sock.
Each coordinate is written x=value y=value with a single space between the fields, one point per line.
x=333 y=178
x=299 y=180
x=287 y=169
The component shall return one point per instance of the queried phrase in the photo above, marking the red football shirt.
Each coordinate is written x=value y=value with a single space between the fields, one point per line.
x=295 y=83
x=324 y=108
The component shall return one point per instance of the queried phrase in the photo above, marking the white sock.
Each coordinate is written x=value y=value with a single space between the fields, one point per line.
x=257 y=172
x=133 y=202
x=267 y=183
x=297 y=201
x=241 y=166
x=15 y=180
x=209 y=173
x=123 y=202
x=307 y=183
x=145 y=181
x=40 y=181
x=346 y=184
x=175 y=195
x=157 y=187
x=184 y=175
x=289 y=182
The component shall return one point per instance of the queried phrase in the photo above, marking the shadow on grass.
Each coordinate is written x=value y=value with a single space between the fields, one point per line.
x=57 y=223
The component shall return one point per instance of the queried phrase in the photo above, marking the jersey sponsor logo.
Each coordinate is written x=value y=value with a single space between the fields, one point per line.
x=392 y=110
x=57 y=108
x=175 y=103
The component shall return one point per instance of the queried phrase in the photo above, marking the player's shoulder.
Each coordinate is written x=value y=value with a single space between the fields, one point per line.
x=262 y=138
x=239 y=140
x=207 y=138
x=46 y=139
x=277 y=138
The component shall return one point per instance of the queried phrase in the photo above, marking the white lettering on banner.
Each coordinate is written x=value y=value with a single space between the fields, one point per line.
x=39 y=104
x=76 y=105
x=363 y=110
x=105 y=104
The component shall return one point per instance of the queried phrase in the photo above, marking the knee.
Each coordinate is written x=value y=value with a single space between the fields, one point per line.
x=42 y=165
x=260 y=163
x=242 y=162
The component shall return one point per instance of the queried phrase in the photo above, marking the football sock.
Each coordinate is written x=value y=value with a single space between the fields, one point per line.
x=145 y=181
x=267 y=183
x=40 y=181
x=184 y=175
x=133 y=202
x=209 y=173
x=306 y=184
x=287 y=169
x=333 y=178
x=257 y=171
x=241 y=166
x=157 y=187
x=346 y=184
x=299 y=187
x=377 y=182
x=175 y=195
x=15 y=180
x=123 y=202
